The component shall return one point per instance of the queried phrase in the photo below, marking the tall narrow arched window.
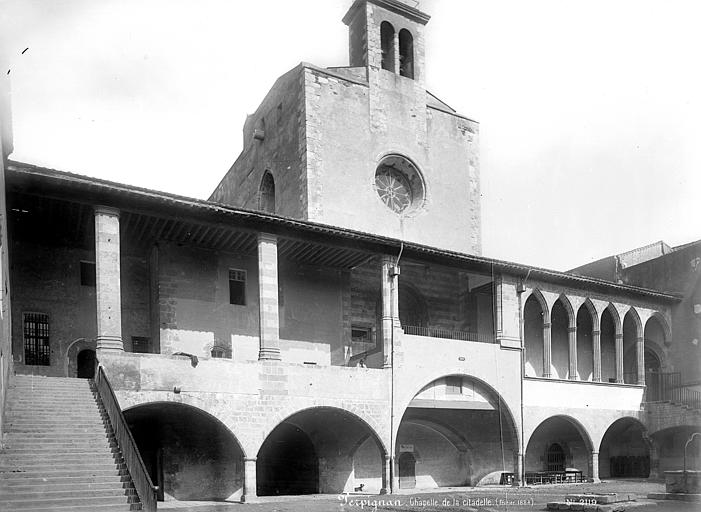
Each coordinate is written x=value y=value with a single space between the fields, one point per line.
x=267 y=194
x=406 y=53
x=387 y=45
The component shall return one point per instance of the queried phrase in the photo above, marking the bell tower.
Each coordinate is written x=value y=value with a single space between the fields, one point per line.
x=389 y=35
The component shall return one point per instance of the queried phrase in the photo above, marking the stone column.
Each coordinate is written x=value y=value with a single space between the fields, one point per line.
x=386 y=476
x=390 y=307
x=619 y=357
x=596 y=345
x=572 y=338
x=640 y=359
x=395 y=50
x=107 y=280
x=654 y=459
x=268 y=298
x=547 y=351
x=518 y=470
x=395 y=474
x=594 y=467
x=249 y=480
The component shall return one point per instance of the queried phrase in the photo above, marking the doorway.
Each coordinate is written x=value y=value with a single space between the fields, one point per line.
x=407 y=471
x=86 y=364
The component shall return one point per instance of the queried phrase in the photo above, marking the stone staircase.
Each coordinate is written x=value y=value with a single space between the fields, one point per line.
x=59 y=451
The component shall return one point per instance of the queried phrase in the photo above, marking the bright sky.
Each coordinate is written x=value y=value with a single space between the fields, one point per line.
x=589 y=110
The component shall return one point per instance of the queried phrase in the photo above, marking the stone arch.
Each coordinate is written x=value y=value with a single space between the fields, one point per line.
x=536 y=293
x=72 y=351
x=659 y=318
x=567 y=304
x=457 y=427
x=406 y=53
x=595 y=319
x=565 y=431
x=387 y=46
x=266 y=193
x=615 y=315
x=635 y=316
x=632 y=330
x=624 y=450
x=587 y=323
x=320 y=449
x=189 y=453
x=534 y=314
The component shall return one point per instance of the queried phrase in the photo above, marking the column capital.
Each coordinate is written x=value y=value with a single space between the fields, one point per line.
x=571 y=329
x=596 y=333
x=619 y=335
x=106 y=210
x=640 y=339
x=546 y=325
x=250 y=459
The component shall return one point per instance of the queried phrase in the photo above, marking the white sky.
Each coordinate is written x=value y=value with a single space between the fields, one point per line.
x=589 y=110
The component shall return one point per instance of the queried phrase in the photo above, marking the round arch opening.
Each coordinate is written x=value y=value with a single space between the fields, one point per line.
x=624 y=452
x=320 y=450
x=557 y=451
x=189 y=454
x=459 y=432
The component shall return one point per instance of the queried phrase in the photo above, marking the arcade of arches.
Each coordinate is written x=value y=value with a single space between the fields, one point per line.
x=561 y=343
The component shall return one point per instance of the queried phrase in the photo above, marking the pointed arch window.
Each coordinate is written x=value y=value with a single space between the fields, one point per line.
x=267 y=194
x=406 y=53
x=387 y=45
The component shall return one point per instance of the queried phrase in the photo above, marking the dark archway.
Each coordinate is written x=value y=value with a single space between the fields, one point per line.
x=320 y=450
x=189 y=454
x=559 y=340
x=267 y=193
x=86 y=364
x=631 y=332
x=585 y=346
x=624 y=451
x=557 y=444
x=412 y=307
x=387 y=45
x=608 y=347
x=533 y=318
x=406 y=53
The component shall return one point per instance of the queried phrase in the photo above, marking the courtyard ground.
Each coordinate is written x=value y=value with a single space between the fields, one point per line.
x=470 y=499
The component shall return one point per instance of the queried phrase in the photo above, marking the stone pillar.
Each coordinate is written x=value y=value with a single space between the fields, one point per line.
x=518 y=470
x=395 y=50
x=654 y=459
x=249 y=480
x=594 y=467
x=572 y=338
x=619 y=357
x=390 y=308
x=395 y=474
x=386 y=476
x=640 y=359
x=107 y=280
x=596 y=345
x=547 y=351
x=268 y=298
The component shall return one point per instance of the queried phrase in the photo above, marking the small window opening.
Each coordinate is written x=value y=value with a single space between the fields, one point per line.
x=387 y=45
x=237 y=287
x=361 y=334
x=87 y=273
x=453 y=386
x=267 y=193
x=141 y=344
x=406 y=53
x=218 y=353
x=37 y=350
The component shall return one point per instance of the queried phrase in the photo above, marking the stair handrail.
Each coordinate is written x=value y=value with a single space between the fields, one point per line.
x=148 y=493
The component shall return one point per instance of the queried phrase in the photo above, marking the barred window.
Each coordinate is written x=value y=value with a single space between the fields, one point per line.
x=141 y=344
x=237 y=287
x=218 y=352
x=37 y=350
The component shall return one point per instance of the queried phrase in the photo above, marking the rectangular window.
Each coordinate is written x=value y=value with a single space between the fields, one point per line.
x=141 y=344
x=237 y=287
x=361 y=334
x=453 y=386
x=87 y=273
x=36 y=339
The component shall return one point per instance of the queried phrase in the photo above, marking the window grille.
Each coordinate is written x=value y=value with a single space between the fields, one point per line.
x=218 y=353
x=237 y=287
x=37 y=350
x=141 y=344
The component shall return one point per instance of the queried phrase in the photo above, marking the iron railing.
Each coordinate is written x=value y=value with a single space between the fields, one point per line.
x=437 y=332
x=667 y=386
x=148 y=493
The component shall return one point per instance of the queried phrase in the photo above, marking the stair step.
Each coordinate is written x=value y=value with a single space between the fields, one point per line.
x=66 y=502
x=22 y=460
x=84 y=493
x=52 y=472
x=75 y=487
x=78 y=507
x=58 y=451
x=114 y=479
